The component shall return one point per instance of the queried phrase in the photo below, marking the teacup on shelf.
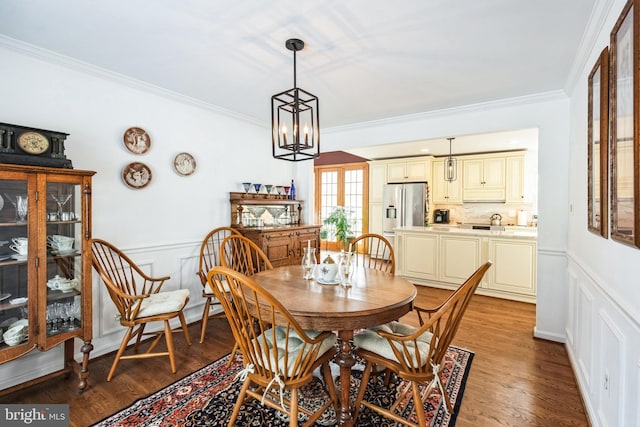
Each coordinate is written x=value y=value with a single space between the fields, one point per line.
x=22 y=249
x=61 y=284
x=15 y=334
x=61 y=243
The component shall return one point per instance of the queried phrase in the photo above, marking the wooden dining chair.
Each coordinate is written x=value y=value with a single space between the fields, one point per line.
x=374 y=251
x=209 y=258
x=415 y=354
x=275 y=358
x=243 y=255
x=139 y=300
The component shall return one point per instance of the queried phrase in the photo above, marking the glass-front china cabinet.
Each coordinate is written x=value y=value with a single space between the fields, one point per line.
x=45 y=264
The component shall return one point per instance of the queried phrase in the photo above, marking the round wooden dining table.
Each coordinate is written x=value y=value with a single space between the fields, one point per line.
x=374 y=298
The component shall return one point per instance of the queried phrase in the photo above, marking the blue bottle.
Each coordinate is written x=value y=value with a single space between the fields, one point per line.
x=292 y=191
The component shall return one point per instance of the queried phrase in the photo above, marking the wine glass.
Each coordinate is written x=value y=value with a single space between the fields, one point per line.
x=275 y=212
x=21 y=207
x=61 y=200
x=68 y=313
x=268 y=187
x=257 y=187
x=52 y=317
x=286 y=191
x=14 y=202
x=257 y=212
x=247 y=187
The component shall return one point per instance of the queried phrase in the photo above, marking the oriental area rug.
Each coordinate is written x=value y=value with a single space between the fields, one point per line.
x=207 y=396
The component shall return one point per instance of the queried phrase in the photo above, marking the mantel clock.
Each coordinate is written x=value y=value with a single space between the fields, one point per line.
x=23 y=145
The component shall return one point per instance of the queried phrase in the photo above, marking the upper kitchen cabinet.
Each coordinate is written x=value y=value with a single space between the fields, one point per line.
x=517 y=188
x=484 y=178
x=443 y=191
x=377 y=180
x=413 y=170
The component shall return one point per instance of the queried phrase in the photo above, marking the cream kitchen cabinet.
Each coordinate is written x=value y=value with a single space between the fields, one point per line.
x=376 y=217
x=442 y=191
x=445 y=257
x=377 y=180
x=517 y=191
x=514 y=268
x=417 y=255
x=414 y=170
x=460 y=255
x=484 y=179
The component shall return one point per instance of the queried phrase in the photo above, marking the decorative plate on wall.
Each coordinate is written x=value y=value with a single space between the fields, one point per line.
x=184 y=164
x=137 y=140
x=136 y=175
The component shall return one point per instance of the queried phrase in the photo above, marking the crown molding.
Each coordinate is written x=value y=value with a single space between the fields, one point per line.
x=45 y=55
x=479 y=107
x=597 y=19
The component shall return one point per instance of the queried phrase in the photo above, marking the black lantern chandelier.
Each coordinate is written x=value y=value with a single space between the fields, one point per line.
x=295 y=120
x=450 y=166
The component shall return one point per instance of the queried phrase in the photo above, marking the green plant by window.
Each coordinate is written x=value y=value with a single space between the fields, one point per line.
x=339 y=218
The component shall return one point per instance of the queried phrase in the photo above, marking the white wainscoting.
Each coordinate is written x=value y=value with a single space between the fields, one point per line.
x=603 y=343
x=180 y=261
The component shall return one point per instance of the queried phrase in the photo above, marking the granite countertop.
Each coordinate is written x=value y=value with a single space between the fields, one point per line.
x=513 y=232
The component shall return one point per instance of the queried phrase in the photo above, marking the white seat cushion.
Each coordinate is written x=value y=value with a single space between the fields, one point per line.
x=371 y=341
x=209 y=291
x=296 y=345
x=163 y=303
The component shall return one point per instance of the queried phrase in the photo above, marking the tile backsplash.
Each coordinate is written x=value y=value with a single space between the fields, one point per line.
x=481 y=212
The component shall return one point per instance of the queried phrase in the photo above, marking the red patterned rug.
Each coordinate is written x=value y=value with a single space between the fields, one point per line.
x=206 y=398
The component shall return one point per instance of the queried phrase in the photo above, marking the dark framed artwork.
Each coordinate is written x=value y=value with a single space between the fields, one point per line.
x=597 y=150
x=623 y=84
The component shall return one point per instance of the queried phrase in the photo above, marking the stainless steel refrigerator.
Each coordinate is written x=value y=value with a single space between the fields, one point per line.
x=405 y=205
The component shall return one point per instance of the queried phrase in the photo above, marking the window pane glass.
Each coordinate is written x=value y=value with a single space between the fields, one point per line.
x=353 y=189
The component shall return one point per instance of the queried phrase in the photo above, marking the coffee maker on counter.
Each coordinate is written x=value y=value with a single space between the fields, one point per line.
x=441 y=216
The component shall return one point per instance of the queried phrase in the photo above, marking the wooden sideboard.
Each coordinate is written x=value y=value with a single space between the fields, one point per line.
x=273 y=222
x=284 y=245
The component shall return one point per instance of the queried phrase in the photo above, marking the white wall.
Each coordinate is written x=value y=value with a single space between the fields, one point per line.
x=603 y=324
x=162 y=225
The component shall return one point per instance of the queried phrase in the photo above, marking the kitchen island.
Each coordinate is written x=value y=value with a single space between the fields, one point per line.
x=445 y=255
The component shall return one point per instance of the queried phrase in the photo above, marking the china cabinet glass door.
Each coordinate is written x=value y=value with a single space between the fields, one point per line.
x=64 y=258
x=15 y=244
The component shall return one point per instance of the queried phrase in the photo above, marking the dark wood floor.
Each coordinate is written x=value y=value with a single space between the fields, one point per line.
x=515 y=379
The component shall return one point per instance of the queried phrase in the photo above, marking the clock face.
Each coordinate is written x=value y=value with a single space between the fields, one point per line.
x=33 y=143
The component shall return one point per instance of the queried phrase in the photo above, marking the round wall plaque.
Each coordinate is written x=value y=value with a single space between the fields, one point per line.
x=184 y=164
x=136 y=175
x=137 y=140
